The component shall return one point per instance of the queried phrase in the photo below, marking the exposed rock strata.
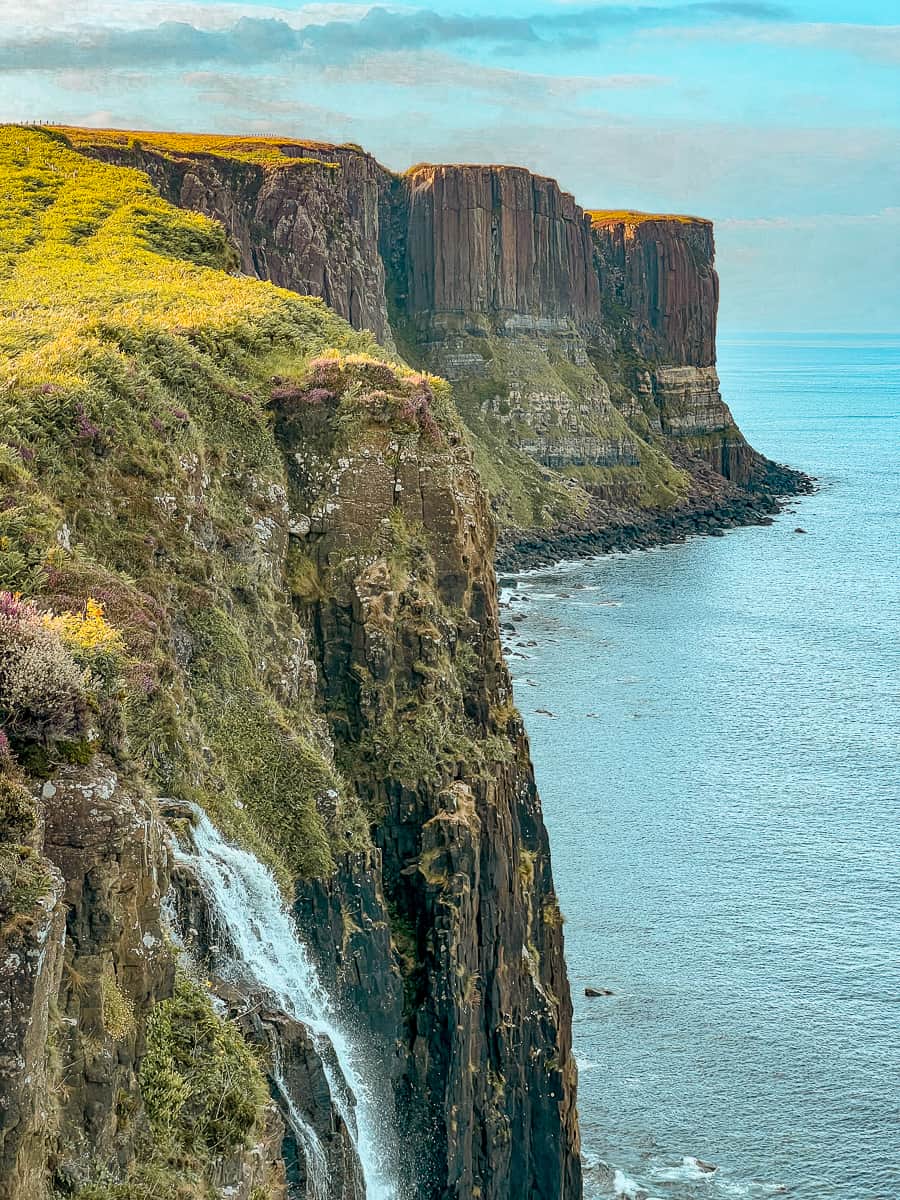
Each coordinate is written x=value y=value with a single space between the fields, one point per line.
x=487 y=1093
x=80 y=977
x=660 y=296
x=582 y=341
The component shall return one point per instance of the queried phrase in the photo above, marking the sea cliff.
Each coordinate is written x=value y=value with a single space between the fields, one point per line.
x=249 y=645
x=580 y=343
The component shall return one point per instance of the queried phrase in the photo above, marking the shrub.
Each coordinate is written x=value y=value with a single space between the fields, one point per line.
x=24 y=875
x=57 y=674
x=43 y=694
x=92 y=641
x=417 y=407
x=203 y=1088
x=292 y=393
x=327 y=373
x=24 y=879
x=116 y=1009
x=17 y=811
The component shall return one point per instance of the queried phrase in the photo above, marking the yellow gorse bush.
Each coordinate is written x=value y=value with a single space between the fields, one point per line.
x=88 y=632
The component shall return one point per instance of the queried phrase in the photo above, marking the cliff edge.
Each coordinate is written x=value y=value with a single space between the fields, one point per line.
x=580 y=343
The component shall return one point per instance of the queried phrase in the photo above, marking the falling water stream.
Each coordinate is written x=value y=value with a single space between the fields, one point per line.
x=261 y=943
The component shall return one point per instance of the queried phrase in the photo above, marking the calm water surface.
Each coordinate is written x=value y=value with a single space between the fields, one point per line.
x=720 y=780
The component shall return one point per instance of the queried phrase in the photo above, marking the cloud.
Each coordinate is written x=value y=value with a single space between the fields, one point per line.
x=256 y=40
x=430 y=71
x=878 y=43
x=174 y=43
x=268 y=101
x=827 y=221
x=830 y=271
x=56 y=15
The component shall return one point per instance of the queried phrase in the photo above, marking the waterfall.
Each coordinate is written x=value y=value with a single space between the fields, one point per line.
x=261 y=943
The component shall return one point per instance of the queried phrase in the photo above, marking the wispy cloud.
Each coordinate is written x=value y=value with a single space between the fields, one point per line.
x=315 y=36
x=814 y=221
x=49 y=16
x=878 y=43
x=267 y=103
x=431 y=71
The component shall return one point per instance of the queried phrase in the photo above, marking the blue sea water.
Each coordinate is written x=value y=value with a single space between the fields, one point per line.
x=720 y=781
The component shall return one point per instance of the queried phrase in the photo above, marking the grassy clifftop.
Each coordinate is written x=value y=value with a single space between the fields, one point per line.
x=266 y=152
x=602 y=216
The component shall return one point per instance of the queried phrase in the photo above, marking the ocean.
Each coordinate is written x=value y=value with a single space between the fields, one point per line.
x=718 y=760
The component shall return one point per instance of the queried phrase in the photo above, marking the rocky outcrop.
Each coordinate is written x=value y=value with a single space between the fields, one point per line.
x=658 y=273
x=107 y=846
x=96 y=966
x=660 y=299
x=30 y=974
x=82 y=974
x=60 y=980
x=420 y=707
x=308 y=223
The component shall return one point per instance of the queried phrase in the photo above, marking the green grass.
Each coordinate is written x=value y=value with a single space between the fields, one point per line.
x=24 y=875
x=205 y=1097
x=202 y=1085
x=600 y=217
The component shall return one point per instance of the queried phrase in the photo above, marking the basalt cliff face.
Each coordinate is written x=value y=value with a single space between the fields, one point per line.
x=250 y=666
x=493 y=285
x=661 y=297
x=581 y=345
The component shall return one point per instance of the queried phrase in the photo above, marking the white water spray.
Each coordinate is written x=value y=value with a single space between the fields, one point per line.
x=263 y=944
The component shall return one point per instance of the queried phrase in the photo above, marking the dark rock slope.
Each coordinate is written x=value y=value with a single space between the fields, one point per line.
x=420 y=707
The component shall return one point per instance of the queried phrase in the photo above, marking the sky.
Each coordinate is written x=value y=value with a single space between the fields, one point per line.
x=780 y=121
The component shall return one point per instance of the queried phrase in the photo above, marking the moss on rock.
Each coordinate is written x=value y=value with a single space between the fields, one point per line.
x=203 y=1088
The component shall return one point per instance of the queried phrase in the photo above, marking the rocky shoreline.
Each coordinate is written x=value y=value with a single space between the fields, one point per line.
x=603 y=533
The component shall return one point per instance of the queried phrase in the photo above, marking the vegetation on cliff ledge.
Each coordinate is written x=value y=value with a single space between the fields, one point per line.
x=138 y=469
x=624 y=216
